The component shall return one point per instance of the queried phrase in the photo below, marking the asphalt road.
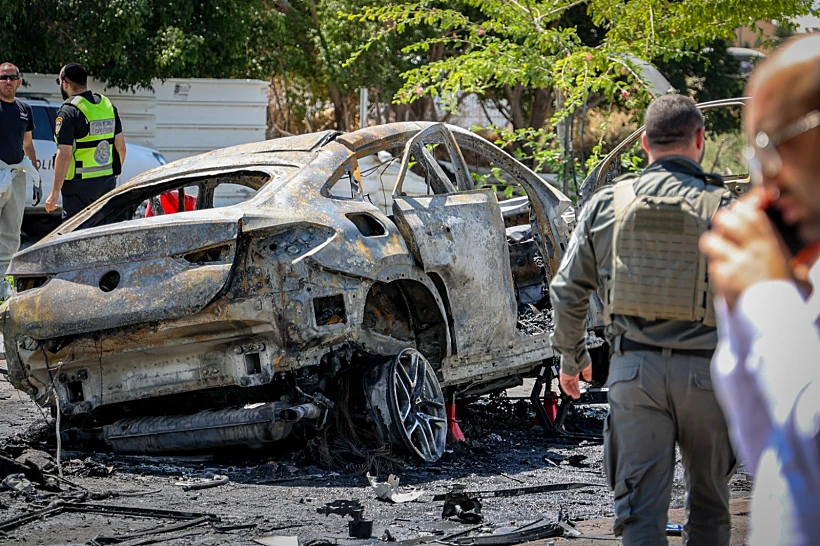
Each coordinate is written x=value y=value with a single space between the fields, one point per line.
x=277 y=492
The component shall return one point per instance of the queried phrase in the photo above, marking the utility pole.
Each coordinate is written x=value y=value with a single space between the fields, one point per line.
x=561 y=138
x=363 y=106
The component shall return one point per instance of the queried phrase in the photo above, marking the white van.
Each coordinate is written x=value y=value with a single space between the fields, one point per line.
x=37 y=222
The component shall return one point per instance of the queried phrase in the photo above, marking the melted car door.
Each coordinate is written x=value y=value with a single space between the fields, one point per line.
x=457 y=236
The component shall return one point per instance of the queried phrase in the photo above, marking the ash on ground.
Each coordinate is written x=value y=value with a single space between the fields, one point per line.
x=277 y=491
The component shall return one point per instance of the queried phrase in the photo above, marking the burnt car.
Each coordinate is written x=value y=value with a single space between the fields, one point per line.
x=227 y=326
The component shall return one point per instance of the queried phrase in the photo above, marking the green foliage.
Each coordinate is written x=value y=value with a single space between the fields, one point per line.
x=127 y=43
x=510 y=42
x=493 y=46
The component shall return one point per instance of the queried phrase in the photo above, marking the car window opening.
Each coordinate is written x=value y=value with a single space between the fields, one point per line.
x=193 y=194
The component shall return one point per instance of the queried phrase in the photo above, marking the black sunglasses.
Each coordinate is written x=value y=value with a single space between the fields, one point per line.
x=59 y=80
x=6 y=77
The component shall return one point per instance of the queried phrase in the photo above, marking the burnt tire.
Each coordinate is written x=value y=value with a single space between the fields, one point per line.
x=407 y=404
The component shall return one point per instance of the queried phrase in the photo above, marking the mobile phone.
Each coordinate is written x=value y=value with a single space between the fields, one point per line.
x=787 y=232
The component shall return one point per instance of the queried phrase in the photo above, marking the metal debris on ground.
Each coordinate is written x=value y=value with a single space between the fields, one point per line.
x=59 y=506
x=389 y=490
x=571 y=532
x=118 y=539
x=277 y=540
x=527 y=533
x=206 y=483
x=358 y=526
x=88 y=467
x=460 y=505
x=516 y=491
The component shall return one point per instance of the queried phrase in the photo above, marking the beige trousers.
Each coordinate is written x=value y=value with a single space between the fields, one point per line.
x=12 y=206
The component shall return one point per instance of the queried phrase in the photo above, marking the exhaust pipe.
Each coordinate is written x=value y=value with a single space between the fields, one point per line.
x=253 y=425
x=300 y=413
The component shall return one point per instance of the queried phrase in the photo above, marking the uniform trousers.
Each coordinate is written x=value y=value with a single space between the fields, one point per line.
x=655 y=401
x=78 y=194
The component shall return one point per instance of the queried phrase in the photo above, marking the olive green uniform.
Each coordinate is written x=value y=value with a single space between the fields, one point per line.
x=660 y=389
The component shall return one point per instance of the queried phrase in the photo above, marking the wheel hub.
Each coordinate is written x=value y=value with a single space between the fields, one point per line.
x=408 y=405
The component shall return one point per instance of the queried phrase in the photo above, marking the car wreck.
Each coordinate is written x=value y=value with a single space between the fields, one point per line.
x=227 y=326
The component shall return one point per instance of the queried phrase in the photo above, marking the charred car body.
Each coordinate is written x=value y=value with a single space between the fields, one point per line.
x=223 y=326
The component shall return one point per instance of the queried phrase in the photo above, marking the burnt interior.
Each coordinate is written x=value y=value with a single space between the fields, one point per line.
x=329 y=310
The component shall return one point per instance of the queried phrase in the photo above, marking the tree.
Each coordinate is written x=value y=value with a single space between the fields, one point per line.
x=127 y=43
x=493 y=46
x=312 y=45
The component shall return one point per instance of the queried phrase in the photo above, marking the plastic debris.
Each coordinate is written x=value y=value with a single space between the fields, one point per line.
x=389 y=490
x=274 y=540
x=18 y=483
x=215 y=481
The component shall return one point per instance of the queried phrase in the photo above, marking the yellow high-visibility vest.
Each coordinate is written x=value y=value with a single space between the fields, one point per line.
x=93 y=154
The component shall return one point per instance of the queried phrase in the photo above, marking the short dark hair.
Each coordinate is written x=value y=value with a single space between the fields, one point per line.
x=672 y=120
x=75 y=73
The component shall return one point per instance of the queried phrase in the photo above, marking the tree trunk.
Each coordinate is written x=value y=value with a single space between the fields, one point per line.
x=540 y=111
x=339 y=109
x=513 y=96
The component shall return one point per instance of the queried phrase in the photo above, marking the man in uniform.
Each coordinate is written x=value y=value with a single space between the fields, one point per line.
x=639 y=237
x=90 y=144
x=17 y=161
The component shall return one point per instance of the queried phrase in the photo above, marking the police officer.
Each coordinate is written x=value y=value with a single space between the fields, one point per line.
x=639 y=237
x=90 y=144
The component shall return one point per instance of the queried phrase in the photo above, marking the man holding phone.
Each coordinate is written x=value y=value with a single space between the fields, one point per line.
x=767 y=367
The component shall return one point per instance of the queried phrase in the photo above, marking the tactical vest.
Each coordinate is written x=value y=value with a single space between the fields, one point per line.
x=93 y=154
x=658 y=273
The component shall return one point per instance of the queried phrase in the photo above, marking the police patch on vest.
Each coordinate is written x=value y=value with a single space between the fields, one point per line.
x=102 y=153
x=58 y=124
x=101 y=127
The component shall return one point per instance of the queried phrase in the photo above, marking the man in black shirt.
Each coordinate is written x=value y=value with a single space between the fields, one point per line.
x=90 y=144
x=16 y=125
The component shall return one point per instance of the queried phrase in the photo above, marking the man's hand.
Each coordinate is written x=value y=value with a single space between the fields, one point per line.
x=743 y=249
x=51 y=202
x=569 y=383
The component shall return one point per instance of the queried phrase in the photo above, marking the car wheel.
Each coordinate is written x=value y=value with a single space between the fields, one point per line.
x=407 y=404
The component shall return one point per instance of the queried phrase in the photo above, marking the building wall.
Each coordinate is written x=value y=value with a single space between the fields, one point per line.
x=180 y=117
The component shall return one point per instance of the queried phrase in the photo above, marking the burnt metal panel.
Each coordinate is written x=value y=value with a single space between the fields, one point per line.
x=520 y=356
x=74 y=302
x=126 y=242
x=461 y=238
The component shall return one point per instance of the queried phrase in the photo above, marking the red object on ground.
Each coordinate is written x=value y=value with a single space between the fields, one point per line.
x=452 y=424
x=170 y=203
x=551 y=407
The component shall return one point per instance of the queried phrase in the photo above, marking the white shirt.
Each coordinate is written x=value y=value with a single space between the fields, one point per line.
x=8 y=172
x=766 y=372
